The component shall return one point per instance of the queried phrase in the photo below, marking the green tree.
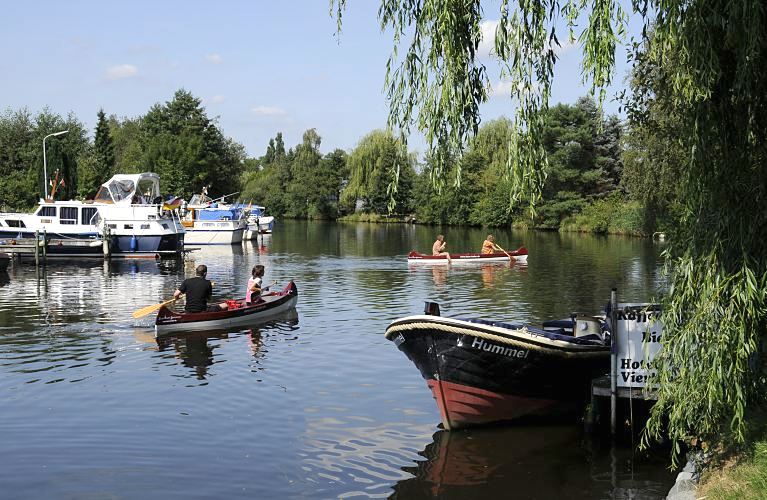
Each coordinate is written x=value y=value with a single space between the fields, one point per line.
x=97 y=164
x=128 y=149
x=19 y=165
x=378 y=161
x=655 y=156
x=104 y=148
x=186 y=148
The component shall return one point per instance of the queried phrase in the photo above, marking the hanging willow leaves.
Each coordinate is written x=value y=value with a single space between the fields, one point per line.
x=711 y=56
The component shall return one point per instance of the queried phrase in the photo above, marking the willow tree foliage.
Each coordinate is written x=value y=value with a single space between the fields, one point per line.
x=377 y=163
x=712 y=368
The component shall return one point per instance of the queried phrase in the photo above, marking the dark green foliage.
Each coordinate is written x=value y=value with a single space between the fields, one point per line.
x=301 y=183
x=97 y=164
x=103 y=148
x=584 y=165
x=181 y=144
x=21 y=156
x=376 y=165
x=584 y=160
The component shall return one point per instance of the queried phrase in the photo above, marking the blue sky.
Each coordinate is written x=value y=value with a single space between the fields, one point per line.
x=260 y=67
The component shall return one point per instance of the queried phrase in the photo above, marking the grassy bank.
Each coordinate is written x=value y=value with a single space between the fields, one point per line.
x=744 y=479
x=741 y=475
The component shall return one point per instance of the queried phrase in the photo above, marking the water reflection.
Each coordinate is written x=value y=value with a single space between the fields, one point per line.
x=439 y=276
x=5 y=278
x=196 y=350
x=531 y=463
x=193 y=350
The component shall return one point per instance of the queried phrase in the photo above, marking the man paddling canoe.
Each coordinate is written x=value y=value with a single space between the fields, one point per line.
x=438 y=248
x=198 y=291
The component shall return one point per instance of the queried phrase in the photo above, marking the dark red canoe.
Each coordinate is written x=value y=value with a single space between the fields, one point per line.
x=238 y=314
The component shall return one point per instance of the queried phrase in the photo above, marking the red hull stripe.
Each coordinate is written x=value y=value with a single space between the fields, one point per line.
x=464 y=406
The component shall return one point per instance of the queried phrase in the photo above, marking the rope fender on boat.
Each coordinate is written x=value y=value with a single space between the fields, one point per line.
x=404 y=327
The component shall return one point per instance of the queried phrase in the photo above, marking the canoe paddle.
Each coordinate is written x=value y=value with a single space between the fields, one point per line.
x=507 y=253
x=152 y=308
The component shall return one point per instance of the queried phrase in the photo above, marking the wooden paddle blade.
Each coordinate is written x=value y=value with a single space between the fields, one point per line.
x=150 y=309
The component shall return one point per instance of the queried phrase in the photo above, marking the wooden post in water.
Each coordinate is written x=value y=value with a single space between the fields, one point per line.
x=45 y=246
x=105 y=241
x=613 y=360
x=37 y=248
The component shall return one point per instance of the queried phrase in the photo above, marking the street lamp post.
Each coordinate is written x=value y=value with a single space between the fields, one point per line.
x=45 y=163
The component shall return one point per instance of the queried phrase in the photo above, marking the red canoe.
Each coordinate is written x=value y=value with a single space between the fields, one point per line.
x=520 y=254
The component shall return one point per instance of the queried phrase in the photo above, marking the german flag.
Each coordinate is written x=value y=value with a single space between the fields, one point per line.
x=173 y=204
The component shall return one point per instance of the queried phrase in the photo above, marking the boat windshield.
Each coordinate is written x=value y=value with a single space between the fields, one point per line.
x=103 y=195
x=121 y=190
x=148 y=189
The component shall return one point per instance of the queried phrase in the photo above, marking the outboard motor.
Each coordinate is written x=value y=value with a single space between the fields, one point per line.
x=587 y=325
x=431 y=308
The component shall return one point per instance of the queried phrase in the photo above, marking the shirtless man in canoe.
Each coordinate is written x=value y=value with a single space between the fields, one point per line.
x=438 y=248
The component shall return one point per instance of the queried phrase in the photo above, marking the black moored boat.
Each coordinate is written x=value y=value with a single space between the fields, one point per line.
x=483 y=372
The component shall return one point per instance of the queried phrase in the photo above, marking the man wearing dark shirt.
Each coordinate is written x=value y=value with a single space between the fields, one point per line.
x=198 y=291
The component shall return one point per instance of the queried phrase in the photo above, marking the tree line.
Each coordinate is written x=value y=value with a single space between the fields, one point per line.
x=587 y=187
x=176 y=140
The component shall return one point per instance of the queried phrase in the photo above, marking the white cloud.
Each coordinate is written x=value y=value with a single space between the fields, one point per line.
x=563 y=48
x=120 y=72
x=214 y=58
x=267 y=110
x=501 y=88
x=487 y=45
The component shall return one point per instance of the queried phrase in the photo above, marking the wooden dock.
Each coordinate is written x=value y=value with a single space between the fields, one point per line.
x=43 y=248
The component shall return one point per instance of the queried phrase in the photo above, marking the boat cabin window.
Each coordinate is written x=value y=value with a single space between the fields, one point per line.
x=144 y=226
x=89 y=216
x=112 y=226
x=128 y=226
x=15 y=223
x=47 y=212
x=68 y=215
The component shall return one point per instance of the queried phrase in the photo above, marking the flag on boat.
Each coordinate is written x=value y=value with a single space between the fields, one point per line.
x=173 y=204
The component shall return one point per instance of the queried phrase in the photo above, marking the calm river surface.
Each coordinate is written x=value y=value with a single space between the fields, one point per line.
x=315 y=405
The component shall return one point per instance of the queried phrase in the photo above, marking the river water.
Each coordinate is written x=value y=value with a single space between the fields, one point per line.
x=316 y=404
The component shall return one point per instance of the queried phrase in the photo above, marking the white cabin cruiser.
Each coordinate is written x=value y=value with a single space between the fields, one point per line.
x=258 y=222
x=128 y=209
x=209 y=223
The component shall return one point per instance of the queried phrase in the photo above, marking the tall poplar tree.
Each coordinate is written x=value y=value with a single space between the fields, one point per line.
x=97 y=164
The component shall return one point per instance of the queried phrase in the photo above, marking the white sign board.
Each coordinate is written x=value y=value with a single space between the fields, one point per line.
x=638 y=337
